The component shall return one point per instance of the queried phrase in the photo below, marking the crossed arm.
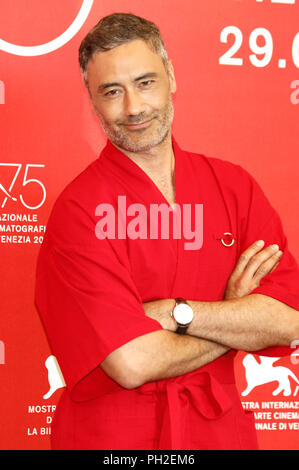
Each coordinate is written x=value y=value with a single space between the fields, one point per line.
x=240 y=321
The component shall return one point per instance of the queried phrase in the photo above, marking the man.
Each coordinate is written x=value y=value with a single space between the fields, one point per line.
x=146 y=329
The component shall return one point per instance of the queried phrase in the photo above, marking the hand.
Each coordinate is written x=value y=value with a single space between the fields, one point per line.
x=160 y=310
x=251 y=267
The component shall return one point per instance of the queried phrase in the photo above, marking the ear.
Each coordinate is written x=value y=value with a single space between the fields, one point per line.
x=171 y=76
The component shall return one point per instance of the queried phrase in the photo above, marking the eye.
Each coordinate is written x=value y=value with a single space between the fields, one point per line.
x=147 y=83
x=112 y=93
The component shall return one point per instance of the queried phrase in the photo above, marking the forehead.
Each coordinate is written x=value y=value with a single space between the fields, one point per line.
x=124 y=62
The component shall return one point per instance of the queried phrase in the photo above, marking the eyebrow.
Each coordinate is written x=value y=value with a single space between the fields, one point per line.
x=104 y=86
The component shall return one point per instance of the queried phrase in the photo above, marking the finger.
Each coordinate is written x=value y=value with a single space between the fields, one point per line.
x=246 y=256
x=258 y=259
x=275 y=265
x=268 y=266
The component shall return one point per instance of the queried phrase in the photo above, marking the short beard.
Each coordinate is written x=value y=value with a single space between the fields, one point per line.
x=123 y=141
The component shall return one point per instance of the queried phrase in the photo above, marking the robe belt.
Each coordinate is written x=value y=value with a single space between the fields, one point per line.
x=201 y=390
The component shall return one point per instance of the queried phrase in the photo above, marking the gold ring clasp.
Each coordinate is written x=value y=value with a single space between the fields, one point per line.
x=228 y=244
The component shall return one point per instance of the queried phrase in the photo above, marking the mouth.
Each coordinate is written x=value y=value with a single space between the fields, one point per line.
x=140 y=125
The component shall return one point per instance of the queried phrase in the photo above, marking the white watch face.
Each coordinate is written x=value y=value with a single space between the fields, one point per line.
x=183 y=314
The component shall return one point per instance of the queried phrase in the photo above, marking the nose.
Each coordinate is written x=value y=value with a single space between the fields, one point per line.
x=133 y=103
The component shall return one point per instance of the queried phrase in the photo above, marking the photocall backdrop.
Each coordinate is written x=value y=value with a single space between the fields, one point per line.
x=236 y=64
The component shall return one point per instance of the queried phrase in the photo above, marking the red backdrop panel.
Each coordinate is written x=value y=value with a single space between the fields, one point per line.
x=236 y=66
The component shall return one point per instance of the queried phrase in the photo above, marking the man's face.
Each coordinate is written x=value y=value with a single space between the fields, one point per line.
x=131 y=94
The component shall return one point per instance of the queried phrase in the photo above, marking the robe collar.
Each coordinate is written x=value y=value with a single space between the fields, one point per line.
x=133 y=175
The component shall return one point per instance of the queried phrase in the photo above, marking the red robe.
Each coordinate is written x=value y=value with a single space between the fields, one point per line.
x=89 y=293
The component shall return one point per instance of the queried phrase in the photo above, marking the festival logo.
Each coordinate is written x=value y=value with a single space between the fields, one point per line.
x=55 y=376
x=56 y=43
x=263 y=372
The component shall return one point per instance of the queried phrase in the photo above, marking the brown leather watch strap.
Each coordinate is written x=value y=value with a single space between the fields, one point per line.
x=181 y=330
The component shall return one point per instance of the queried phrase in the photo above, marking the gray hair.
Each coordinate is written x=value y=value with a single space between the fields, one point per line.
x=115 y=30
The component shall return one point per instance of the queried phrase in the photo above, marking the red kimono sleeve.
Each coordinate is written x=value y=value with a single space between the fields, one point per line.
x=87 y=301
x=263 y=222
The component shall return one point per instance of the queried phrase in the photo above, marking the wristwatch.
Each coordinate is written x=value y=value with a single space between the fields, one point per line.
x=182 y=314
